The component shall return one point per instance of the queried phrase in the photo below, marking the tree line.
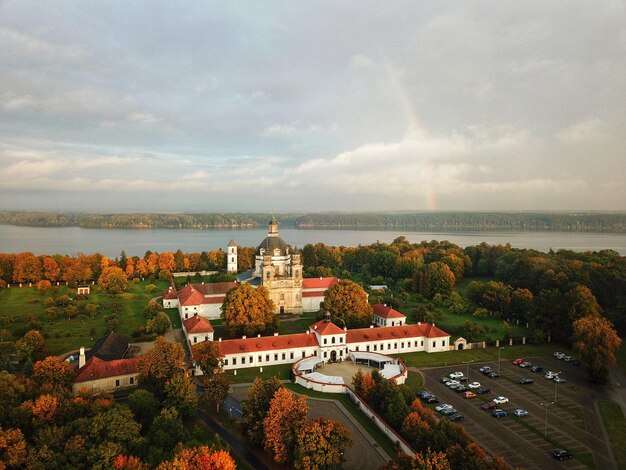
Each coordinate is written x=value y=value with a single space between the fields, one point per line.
x=426 y=221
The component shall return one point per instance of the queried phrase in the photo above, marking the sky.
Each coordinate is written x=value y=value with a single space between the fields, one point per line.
x=161 y=106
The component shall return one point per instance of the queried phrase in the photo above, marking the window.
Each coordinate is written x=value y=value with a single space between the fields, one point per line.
x=302 y=353
x=260 y=358
x=297 y=273
x=251 y=359
x=388 y=345
x=243 y=360
x=291 y=355
x=333 y=340
x=422 y=343
x=315 y=353
x=267 y=276
x=443 y=343
x=341 y=352
x=117 y=383
x=393 y=323
x=132 y=380
x=341 y=339
x=267 y=358
x=284 y=356
x=374 y=347
x=434 y=342
x=234 y=361
x=282 y=296
x=325 y=340
x=275 y=357
x=195 y=339
x=402 y=344
x=225 y=362
x=357 y=349
x=232 y=259
x=325 y=354
x=395 y=345
x=368 y=348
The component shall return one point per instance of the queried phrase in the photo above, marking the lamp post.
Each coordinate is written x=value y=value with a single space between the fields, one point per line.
x=556 y=386
x=467 y=372
x=545 y=430
x=499 y=350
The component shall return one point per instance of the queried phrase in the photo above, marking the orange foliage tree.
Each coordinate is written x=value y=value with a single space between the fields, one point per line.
x=347 y=302
x=53 y=375
x=129 y=462
x=113 y=280
x=160 y=364
x=248 y=311
x=597 y=344
x=200 y=458
x=287 y=414
x=321 y=443
x=12 y=448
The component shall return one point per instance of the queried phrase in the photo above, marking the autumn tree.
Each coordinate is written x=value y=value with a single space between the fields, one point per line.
x=347 y=304
x=13 y=448
x=53 y=375
x=12 y=394
x=285 y=417
x=199 y=458
x=129 y=462
x=31 y=347
x=597 y=344
x=113 y=280
x=255 y=408
x=27 y=268
x=248 y=310
x=321 y=443
x=51 y=269
x=207 y=356
x=432 y=279
x=160 y=364
x=216 y=389
x=426 y=460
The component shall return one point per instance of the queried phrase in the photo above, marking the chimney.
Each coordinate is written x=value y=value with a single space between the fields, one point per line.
x=243 y=337
x=371 y=326
x=219 y=339
x=345 y=328
x=258 y=335
x=419 y=323
x=81 y=357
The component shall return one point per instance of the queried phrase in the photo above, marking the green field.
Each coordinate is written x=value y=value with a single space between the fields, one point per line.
x=615 y=424
x=19 y=307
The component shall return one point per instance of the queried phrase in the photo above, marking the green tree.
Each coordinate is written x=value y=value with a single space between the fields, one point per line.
x=31 y=347
x=159 y=324
x=207 y=356
x=180 y=394
x=144 y=405
x=255 y=408
x=321 y=443
x=347 y=302
x=216 y=389
x=248 y=310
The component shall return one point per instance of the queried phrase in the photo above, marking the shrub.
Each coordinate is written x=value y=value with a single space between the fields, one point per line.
x=44 y=285
x=151 y=288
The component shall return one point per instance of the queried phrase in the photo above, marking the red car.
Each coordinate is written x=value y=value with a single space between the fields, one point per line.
x=490 y=405
x=517 y=362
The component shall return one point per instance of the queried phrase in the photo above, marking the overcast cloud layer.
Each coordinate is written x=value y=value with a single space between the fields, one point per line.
x=174 y=106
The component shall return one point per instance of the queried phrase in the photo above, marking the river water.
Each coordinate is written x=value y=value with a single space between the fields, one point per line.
x=110 y=242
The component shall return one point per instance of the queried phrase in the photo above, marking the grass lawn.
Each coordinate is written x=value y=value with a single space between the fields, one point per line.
x=248 y=375
x=18 y=306
x=174 y=317
x=414 y=381
x=382 y=440
x=615 y=425
x=424 y=359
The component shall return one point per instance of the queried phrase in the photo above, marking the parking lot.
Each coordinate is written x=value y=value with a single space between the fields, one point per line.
x=572 y=422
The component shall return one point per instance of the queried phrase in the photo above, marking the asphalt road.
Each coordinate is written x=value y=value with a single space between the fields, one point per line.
x=572 y=422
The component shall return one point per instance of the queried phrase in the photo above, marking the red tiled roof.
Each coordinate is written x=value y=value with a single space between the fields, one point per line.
x=215 y=288
x=170 y=294
x=189 y=295
x=267 y=343
x=324 y=327
x=319 y=282
x=95 y=369
x=426 y=330
x=198 y=324
x=196 y=294
x=384 y=311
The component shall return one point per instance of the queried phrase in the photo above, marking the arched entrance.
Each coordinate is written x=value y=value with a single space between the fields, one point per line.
x=333 y=356
x=282 y=309
x=459 y=347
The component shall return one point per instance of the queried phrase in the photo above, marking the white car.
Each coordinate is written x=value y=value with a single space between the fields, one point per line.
x=560 y=356
x=520 y=412
x=557 y=354
x=550 y=375
x=500 y=400
x=453 y=382
x=456 y=375
x=559 y=380
x=474 y=385
x=443 y=406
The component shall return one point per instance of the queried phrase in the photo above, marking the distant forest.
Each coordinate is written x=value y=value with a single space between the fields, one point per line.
x=426 y=221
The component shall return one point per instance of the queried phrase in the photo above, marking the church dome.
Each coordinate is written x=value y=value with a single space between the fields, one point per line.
x=270 y=244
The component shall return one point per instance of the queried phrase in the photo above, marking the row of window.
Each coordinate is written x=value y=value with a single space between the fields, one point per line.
x=375 y=347
x=333 y=340
x=267 y=358
x=131 y=381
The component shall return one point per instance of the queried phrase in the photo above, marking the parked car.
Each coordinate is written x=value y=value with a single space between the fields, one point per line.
x=460 y=389
x=469 y=395
x=456 y=417
x=517 y=362
x=455 y=375
x=474 y=385
x=560 y=356
x=525 y=364
x=482 y=390
x=431 y=399
x=561 y=454
x=493 y=374
x=490 y=405
x=559 y=380
x=444 y=380
x=499 y=413
x=520 y=412
x=567 y=359
x=525 y=381
x=557 y=354
x=427 y=396
x=500 y=400
x=536 y=369
x=454 y=386
x=550 y=375
x=450 y=383
x=484 y=370
x=442 y=407
x=449 y=412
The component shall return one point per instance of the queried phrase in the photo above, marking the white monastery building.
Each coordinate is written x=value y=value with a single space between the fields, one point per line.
x=276 y=268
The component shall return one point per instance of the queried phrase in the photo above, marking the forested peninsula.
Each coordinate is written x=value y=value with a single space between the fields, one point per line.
x=424 y=221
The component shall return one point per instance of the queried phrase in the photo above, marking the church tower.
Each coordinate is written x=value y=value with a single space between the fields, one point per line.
x=231 y=263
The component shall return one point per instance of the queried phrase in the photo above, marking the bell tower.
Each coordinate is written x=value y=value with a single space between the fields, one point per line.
x=231 y=254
